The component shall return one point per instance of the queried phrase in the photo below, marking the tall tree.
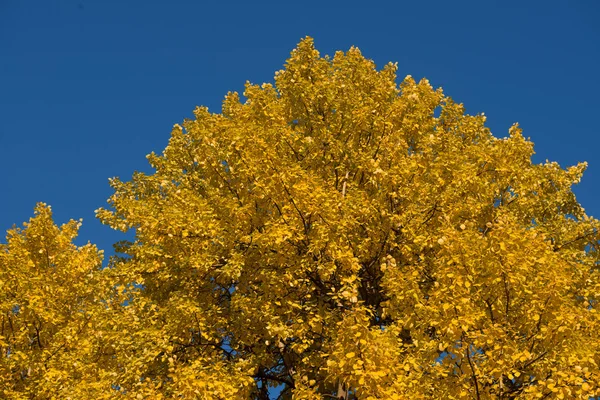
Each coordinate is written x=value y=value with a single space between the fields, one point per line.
x=337 y=235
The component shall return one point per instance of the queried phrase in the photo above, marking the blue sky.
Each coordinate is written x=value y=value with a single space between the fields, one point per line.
x=88 y=88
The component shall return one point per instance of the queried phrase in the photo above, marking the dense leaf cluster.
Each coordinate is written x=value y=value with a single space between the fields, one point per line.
x=334 y=235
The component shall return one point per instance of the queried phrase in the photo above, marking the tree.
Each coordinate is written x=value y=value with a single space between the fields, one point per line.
x=336 y=235
x=47 y=290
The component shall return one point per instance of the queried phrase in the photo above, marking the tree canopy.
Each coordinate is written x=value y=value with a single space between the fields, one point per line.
x=332 y=235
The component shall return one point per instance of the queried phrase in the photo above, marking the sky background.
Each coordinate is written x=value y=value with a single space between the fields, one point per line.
x=88 y=88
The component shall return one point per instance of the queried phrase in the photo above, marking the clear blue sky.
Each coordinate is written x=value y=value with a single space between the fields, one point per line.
x=88 y=88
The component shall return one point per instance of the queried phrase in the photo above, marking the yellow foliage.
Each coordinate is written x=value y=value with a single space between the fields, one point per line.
x=48 y=290
x=333 y=234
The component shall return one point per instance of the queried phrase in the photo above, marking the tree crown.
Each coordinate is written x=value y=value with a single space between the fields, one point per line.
x=338 y=235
